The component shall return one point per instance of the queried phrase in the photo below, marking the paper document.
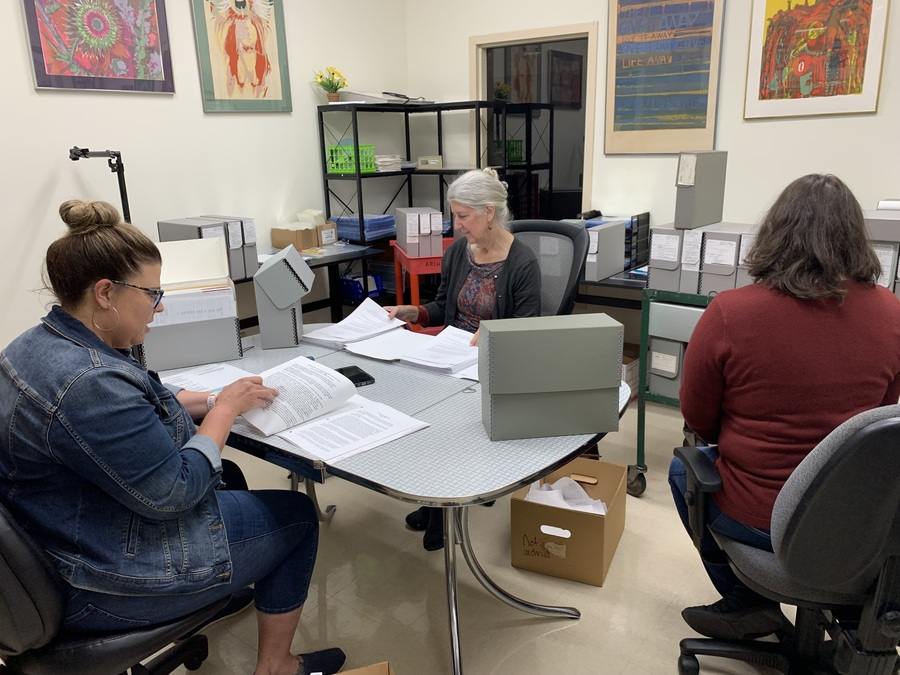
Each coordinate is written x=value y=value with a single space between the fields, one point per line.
x=306 y=390
x=664 y=247
x=367 y=320
x=206 y=378
x=187 y=306
x=390 y=346
x=885 y=255
x=358 y=426
x=470 y=373
x=448 y=352
x=719 y=252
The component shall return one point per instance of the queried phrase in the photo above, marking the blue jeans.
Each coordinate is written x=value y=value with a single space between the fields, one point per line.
x=273 y=536
x=714 y=559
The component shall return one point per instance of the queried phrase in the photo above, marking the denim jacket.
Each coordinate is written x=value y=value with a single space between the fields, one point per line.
x=104 y=467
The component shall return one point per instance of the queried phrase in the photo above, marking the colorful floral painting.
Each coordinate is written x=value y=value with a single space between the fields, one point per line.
x=818 y=56
x=243 y=59
x=120 y=45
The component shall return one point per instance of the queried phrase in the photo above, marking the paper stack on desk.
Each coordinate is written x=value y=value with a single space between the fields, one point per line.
x=366 y=321
x=448 y=352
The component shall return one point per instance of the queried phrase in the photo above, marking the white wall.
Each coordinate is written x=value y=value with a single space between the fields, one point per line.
x=178 y=160
x=764 y=155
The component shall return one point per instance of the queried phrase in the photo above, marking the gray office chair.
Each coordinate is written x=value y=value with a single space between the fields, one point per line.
x=561 y=249
x=836 y=541
x=31 y=611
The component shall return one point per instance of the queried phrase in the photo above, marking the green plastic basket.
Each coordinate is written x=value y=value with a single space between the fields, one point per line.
x=341 y=159
x=514 y=151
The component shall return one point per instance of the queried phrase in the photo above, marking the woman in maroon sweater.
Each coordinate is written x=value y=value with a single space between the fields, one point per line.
x=774 y=367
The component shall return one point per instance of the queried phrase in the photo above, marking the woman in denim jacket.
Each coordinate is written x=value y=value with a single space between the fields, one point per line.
x=102 y=464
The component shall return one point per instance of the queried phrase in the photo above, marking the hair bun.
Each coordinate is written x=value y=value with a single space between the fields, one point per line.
x=85 y=217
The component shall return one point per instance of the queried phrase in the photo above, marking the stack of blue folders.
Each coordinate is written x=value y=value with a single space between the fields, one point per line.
x=375 y=227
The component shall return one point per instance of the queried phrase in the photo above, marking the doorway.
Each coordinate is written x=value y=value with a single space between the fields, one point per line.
x=547 y=80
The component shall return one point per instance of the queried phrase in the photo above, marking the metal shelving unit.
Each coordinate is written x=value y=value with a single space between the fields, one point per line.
x=536 y=136
x=637 y=483
x=351 y=131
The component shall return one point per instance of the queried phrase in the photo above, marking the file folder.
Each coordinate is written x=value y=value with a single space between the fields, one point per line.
x=527 y=391
x=279 y=284
x=664 y=266
x=700 y=188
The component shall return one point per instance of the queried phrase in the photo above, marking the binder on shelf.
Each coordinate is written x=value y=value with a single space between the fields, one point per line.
x=719 y=256
x=527 y=391
x=248 y=233
x=669 y=330
x=664 y=265
x=181 y=229
x=700 y=188
x=199 y=322
x=279 y=284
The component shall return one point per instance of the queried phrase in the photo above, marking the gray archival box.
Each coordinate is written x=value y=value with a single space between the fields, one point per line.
x=700 y=189
x=550 y=375
x=280 y=284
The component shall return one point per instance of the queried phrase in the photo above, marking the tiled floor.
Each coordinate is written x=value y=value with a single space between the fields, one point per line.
x=377 y=594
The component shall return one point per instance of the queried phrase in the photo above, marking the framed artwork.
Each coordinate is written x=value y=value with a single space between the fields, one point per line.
x=108 y=45
x=242 y=54
x=565 y=79
x=662 y=76
x=525 y=74
x=815 y=58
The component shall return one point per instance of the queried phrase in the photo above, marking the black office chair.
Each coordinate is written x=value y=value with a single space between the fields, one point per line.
x=836 y=537
x=31 y=611
x=561 y=249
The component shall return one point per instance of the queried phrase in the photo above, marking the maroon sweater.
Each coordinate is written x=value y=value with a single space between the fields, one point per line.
x=768 y=376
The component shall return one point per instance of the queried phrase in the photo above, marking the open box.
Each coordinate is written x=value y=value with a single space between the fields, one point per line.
x=566 y=543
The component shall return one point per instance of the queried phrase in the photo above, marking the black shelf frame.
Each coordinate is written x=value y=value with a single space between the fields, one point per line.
x=406 y=109
x=529 y=166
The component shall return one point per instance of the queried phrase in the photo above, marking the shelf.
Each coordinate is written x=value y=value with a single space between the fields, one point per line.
x=402 y=172
x=525 y=166
x=411 y=107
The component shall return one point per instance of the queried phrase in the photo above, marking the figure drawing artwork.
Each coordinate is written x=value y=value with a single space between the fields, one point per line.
x=243 y=60
x=814 y=57
x=118 y=45
x=662 y=75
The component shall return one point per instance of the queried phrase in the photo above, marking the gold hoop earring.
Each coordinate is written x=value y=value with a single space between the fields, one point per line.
x=101 y=328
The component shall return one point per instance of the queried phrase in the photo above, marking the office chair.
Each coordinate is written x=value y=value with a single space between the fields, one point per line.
x=31 y=611
x=561 y=249
x=836 y=542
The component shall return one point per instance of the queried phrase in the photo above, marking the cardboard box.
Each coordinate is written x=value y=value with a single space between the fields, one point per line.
x=383 y=668
x=301 y=239
x=586 y=553
x=527 y=391
x=327 y=233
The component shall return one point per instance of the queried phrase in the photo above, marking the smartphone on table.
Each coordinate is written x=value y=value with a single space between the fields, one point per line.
x=356 y=375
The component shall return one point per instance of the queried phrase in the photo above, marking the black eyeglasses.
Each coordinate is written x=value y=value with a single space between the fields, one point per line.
x=155 y=293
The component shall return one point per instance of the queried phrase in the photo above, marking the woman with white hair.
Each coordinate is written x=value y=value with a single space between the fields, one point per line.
x=486 y=274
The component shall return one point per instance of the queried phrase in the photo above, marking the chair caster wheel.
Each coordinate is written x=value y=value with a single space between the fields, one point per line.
x=193 y=664
x=636 y=482
x=688 y=665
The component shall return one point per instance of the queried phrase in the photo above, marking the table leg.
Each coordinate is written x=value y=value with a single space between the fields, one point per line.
x=334 y=292
x=398 y=277
x=311 y=493
x=450 y=537
x=462 y=524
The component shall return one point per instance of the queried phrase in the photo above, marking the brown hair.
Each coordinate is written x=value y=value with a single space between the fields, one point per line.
x=98 y=246
x=812 y=240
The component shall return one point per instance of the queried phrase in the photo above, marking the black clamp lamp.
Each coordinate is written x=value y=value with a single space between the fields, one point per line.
x=114 y=158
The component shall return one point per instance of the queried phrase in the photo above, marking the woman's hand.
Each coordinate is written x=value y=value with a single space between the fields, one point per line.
x=474 y=341
x=408 y=313
x=245 y=394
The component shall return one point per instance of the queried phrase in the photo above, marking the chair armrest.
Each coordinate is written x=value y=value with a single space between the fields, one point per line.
x=702 y=479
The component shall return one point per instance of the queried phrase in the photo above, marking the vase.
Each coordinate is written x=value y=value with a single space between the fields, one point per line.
x=333 y=96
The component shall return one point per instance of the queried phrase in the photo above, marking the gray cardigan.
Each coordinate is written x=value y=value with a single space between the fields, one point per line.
x=518 y=285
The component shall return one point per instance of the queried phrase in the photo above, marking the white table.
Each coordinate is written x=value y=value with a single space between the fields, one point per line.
x=452 y=464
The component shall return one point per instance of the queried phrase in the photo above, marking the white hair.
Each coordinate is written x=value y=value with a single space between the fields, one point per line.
x=480 y=188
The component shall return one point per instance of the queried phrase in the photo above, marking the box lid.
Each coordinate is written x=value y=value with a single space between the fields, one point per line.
x=519 y=356
x=193 y=263
x=285 y=277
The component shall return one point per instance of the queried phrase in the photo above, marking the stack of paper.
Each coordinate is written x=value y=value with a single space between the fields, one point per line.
x=366 y=321
x=388 y=162
x=449 y=352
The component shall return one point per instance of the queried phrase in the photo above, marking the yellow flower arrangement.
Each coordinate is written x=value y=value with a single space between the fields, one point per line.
x=331 y=80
